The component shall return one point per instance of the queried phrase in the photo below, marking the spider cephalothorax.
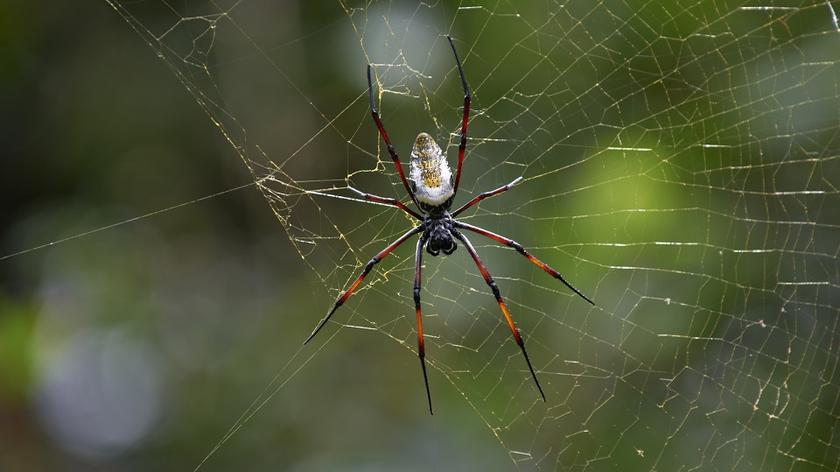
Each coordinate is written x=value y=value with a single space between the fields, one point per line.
x=432 y=188
x=439 y=234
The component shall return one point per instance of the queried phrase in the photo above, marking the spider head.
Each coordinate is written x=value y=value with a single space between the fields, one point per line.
x=430 y=173
x=440 y=239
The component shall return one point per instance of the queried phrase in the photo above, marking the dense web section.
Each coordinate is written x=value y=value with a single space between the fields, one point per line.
x=680 y=166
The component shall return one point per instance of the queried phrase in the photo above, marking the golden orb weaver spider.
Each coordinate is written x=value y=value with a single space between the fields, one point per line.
x=432 y=189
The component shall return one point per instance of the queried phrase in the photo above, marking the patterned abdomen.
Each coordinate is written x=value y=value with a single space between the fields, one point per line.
x=430 y=172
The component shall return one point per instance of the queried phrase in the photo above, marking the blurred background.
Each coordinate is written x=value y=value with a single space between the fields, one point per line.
x=174 y=224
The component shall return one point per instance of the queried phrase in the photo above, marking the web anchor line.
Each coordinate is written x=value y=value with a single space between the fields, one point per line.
x=126 y=221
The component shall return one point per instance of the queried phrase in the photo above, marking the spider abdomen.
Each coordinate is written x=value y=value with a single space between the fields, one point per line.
x=430 y=172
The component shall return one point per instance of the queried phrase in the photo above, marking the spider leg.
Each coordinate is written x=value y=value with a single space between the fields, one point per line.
x=421 y=351
x=375 y=260
x=521 y=250
x=467 y=98
x=495 y=288
x=484 y=195
x=394 y=157
x=387 y=201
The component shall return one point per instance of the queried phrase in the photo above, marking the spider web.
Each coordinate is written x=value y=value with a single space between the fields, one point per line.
x=680 y=167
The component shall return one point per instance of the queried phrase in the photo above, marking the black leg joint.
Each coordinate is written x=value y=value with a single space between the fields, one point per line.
x=494 y=288
x=416 y=296
x=370 y=265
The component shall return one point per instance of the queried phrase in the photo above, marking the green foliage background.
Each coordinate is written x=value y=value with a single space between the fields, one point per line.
x=681 y=167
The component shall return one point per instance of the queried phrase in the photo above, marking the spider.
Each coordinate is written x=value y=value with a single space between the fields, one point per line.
x=432 y=188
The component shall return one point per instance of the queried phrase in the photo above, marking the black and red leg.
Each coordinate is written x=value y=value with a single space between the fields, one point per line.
x=394 y=157
x=521 y=250
x=484 y=195
x=421 y=350
x=386 y=201
x=375 y=260
x=502 y=306
x=465 y=118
